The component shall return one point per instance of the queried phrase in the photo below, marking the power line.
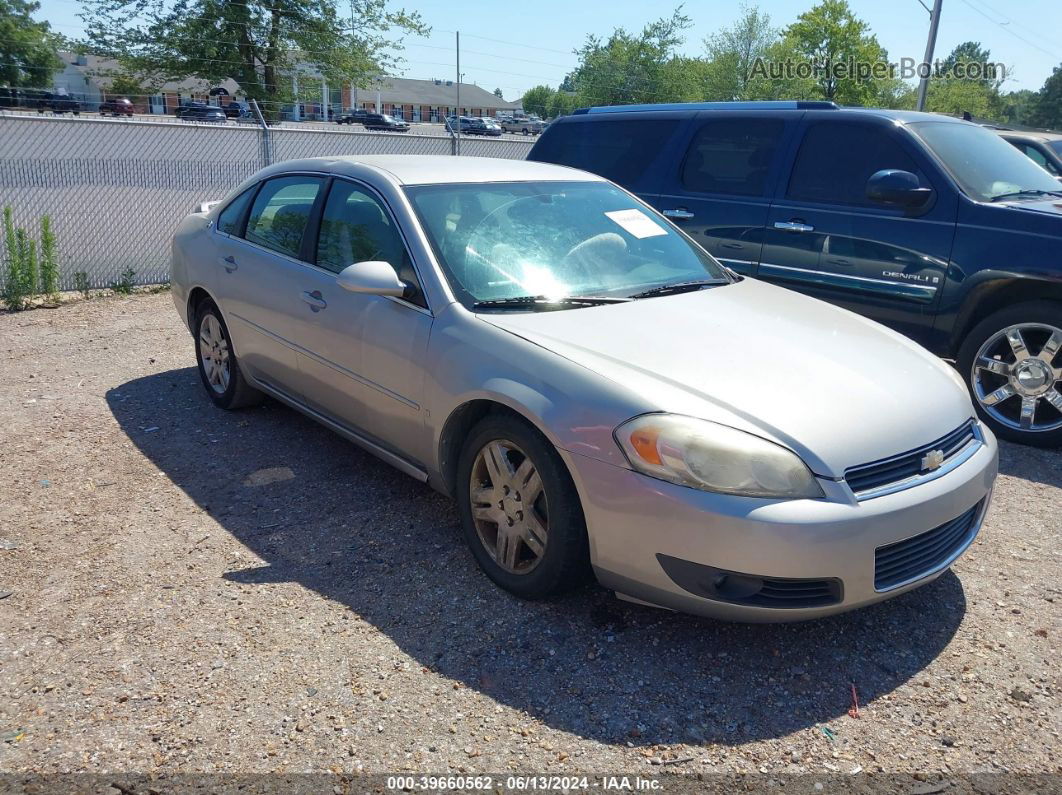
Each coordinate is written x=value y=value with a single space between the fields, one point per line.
x=1004 y=27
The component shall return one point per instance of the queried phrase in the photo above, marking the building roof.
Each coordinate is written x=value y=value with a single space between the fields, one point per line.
x=437 y=169
x=99 y=71
x=406 y=91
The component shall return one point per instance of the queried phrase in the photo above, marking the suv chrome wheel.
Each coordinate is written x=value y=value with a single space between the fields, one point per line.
x=509 y=506
x=1018 y=388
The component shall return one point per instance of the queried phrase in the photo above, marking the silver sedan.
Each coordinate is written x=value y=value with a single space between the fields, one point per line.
x=598 y=393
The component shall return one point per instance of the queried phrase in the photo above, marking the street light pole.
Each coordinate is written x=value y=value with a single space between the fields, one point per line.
x=931 y=43
x=457 y=112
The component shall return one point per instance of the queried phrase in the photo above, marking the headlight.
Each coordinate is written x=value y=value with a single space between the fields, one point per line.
x=712 y=457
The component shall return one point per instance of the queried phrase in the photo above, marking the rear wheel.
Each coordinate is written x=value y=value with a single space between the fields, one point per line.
x=520 y=511
x=1013 y=363
x=218 y=366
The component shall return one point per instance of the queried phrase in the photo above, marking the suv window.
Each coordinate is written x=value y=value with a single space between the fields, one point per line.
x=355 y=228
x=732 y=156
x=617 y=150
x=229 y=218
x=281 y=211
x=837 y=158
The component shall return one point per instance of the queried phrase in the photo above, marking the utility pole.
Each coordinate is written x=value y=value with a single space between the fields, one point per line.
x=457 y=113
x=931 y=43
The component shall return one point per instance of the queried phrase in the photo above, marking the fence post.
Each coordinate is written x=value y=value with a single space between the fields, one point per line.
x=267 y=135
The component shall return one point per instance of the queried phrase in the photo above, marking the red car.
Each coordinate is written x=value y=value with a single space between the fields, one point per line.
x=117 y=107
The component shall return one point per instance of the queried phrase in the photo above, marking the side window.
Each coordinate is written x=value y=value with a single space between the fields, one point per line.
x=230 y=217
x=732 y=156
x=281 y=211
x=356 y=228
x=1038 y=157
x=617 y=150
x=837 y=158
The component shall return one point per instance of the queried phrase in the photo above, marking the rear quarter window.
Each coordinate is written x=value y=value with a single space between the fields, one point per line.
x=620 y=150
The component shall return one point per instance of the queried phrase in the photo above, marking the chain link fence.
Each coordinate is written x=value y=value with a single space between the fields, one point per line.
x=116 y=189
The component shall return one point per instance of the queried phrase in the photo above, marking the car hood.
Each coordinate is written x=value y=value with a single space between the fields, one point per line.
x=838 y=389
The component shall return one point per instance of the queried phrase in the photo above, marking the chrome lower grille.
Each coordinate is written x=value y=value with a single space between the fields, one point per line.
x=921 y=555
x=869 y=480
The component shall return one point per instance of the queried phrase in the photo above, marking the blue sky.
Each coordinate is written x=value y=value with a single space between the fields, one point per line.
x=515 y=45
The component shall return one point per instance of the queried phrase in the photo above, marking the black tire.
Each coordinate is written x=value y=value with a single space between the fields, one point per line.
x=565 y=562
x=1045 y=313
x=238 y=393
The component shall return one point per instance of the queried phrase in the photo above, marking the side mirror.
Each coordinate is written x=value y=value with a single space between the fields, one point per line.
x=373 y=277
x=894 y=186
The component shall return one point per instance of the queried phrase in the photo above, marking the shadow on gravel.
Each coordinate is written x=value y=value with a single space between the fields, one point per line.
x=1035 y=464
x=368 y=537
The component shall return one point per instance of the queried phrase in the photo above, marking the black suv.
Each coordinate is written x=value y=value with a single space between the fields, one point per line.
x=373 y=121
x=931 y=225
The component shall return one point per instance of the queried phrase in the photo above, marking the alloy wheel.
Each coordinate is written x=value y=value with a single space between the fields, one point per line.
x=214 y=353
x=1017 y=377
x=509 y=506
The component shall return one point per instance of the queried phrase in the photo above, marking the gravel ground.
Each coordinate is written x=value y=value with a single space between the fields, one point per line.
x=200 y=591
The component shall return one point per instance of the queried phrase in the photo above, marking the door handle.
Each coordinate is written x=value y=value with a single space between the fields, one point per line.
x=314 y=299
x=839 y=261
x=793 y=226
x=677 y=212
x=732 y=246
x=230 y=263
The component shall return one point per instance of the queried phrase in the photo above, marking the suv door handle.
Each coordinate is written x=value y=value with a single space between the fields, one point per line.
x=678 y=212
x=314 y=299
x=230 y=263
x=839 y=261
x=793 y=226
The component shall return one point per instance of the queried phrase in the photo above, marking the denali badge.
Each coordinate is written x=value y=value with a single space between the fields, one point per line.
x=932 y=460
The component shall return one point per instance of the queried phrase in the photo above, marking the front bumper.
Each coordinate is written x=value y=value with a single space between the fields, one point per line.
x=634 y=522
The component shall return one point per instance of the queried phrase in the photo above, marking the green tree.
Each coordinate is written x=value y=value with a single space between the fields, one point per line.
x=498 y=93
x=1017 y=107
x=561 y=103
x=537 y=100
x=630 y=68
x=830 y=34
x=731 y=53
x=1047 y=107
x=257 y=43
x=28 y=49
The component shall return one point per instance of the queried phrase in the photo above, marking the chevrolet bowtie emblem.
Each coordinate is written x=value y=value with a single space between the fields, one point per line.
x=932 y=460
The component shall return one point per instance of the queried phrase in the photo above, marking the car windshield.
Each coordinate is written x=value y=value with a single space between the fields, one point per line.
x=556 y=239
x=985 y=166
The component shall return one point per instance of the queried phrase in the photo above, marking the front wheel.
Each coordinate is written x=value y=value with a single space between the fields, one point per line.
x=520 y=512
x=1012 y=361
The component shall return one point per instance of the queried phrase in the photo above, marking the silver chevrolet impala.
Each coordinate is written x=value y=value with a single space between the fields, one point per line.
x=597 y=392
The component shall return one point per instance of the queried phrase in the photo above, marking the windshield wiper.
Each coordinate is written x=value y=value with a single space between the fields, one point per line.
x=680 y=287
x=1029 y=192
x=545 y=302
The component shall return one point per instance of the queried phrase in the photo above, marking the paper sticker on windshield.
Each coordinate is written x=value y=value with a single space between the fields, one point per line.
x=637 y=223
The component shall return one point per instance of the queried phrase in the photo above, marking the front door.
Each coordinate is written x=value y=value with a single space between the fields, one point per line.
x=824 y=236
x=362 y=357
x=719 y=191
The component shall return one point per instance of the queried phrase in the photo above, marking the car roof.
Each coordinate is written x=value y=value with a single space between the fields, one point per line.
x=438 y=169
x=820 y=109
x=1032 y=135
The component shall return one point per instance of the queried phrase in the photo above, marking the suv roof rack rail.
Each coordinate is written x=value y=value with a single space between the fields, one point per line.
x=754 y=105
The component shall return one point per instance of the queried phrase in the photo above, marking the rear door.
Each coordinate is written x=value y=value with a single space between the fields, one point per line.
x=633 y=151
x=258 y=269
x=719 y=184
x=824 y=236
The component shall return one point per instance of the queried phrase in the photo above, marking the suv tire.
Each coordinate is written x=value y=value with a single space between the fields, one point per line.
x=1012 y=363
